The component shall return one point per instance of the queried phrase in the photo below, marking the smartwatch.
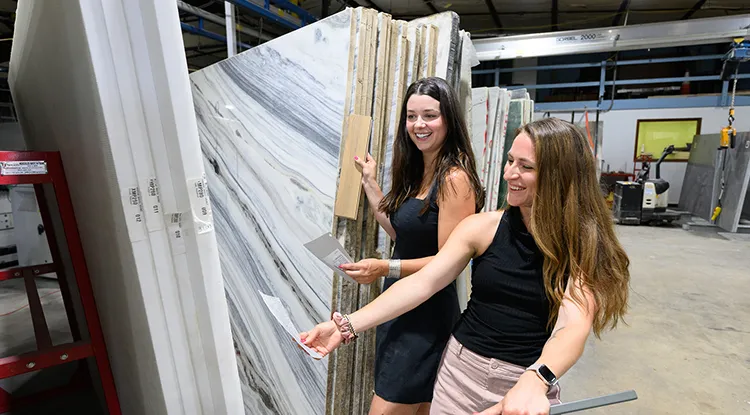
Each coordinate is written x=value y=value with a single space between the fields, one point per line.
x=543 y=372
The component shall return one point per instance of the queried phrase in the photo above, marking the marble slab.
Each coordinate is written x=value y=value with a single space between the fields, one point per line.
x=270 y=122
x=701 y=182
x=127 y=257
x=448 y=42
x=396 y=93
x=479 y=140
x=498 y=147
x=467 y=61
x=515 y=121
x=737 y=176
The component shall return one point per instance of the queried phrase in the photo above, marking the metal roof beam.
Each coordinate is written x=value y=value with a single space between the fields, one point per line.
x=623 y=8
x=609 y=39
x=431 y=6
x=697 y=6
x=554 y=16
x=493 y=12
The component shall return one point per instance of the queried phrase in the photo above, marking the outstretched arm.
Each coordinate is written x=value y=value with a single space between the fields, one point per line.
x=471 y=236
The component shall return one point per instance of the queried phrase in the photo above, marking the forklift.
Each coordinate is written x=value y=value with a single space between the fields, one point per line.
x=645 y=201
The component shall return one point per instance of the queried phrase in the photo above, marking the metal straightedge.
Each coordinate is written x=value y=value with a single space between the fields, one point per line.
x=652 y=35
x=584 y=404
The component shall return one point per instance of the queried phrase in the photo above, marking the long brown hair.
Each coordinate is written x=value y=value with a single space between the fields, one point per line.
x=408 y=164
x=572 y=225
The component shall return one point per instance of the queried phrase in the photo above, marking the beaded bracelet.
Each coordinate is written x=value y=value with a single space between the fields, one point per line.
x=345 y=327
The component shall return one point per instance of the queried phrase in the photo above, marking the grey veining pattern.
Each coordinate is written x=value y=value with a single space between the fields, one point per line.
x=737 y=178
x=270 y=124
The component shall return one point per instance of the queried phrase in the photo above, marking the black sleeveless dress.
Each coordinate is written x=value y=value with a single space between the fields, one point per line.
x=409 y=347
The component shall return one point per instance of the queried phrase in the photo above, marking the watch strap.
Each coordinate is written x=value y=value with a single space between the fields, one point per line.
x=544 y=373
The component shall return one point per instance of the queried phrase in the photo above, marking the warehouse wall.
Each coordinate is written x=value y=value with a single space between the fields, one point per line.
x=619 y=136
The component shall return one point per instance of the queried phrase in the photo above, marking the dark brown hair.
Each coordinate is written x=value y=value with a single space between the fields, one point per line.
x=408 y=163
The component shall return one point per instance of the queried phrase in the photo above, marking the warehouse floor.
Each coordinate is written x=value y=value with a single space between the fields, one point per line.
x=686 y=349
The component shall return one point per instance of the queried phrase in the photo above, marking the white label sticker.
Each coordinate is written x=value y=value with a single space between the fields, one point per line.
x=152 y=205
x=134 y=214
x=584 y=38
x=203 y=227
x=176 y=233
x=199 y=203
x=18 y=168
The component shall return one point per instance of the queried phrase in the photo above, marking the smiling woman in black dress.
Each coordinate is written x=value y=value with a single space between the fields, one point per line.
x=435 y=186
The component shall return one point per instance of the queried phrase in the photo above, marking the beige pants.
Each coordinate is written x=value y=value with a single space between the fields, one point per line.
x=468 y=382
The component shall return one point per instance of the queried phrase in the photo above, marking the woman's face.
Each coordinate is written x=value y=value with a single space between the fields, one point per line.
x=520 y=172
x=425 y=124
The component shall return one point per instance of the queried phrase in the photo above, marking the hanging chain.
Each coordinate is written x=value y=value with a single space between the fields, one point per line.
x=734 y=86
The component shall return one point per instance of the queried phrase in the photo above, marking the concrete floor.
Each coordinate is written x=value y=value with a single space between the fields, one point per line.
x=686 y=349
x=17 y=337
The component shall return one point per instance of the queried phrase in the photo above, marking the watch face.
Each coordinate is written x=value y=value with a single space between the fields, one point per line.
x=547 y=374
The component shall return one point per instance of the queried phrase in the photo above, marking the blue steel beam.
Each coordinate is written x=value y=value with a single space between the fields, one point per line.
x=264 y=12
x=627 y=82
x=304 y=14
x=640 y=103
x=666 y=60
x=594 y=64
x=211 y=35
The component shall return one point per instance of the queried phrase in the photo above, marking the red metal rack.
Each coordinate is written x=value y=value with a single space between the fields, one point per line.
x=39 y=168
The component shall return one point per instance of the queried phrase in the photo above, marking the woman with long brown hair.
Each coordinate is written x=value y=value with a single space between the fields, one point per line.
x=435 y=186
x=547 y=269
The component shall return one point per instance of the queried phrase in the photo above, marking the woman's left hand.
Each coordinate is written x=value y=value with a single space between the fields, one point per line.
x=367 y=270
x=528 y=396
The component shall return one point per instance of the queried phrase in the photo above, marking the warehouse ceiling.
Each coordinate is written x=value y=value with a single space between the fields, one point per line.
x=482 y=18
x=495 y=17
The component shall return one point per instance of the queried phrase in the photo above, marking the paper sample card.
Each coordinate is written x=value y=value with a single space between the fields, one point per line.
x=329 y=250
x=279 y=312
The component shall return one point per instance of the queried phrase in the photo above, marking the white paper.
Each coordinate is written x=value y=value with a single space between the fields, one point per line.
x=279 y=312
x=329 y=250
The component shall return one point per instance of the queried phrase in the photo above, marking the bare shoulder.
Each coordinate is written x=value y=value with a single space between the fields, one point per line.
x=458 y=177
x=480 y=229
x=458 y=182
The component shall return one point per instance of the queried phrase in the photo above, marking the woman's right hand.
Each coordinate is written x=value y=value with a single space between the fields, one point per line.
x=323 y=338
x=367 y=167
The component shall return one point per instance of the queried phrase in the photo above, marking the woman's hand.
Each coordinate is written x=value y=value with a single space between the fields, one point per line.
x=367 y=167
x=367 y=270
x=528 y=396
x=323 y=338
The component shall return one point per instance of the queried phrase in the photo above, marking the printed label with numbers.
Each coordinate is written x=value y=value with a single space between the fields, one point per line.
x=19 y=168
x=134 y=214
x=152 y=205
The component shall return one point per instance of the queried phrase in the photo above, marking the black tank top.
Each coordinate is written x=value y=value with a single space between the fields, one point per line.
x=409 y=347
x=506 y=317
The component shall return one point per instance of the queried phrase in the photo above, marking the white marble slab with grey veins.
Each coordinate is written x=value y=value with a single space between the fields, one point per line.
x=270 y=122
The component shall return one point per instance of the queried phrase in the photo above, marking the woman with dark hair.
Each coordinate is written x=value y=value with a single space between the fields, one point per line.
x=546 y=270
x=435 y=186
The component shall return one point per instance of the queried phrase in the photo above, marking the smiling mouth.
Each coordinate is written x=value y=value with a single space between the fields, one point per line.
x=516 y=188
x=423 y=136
